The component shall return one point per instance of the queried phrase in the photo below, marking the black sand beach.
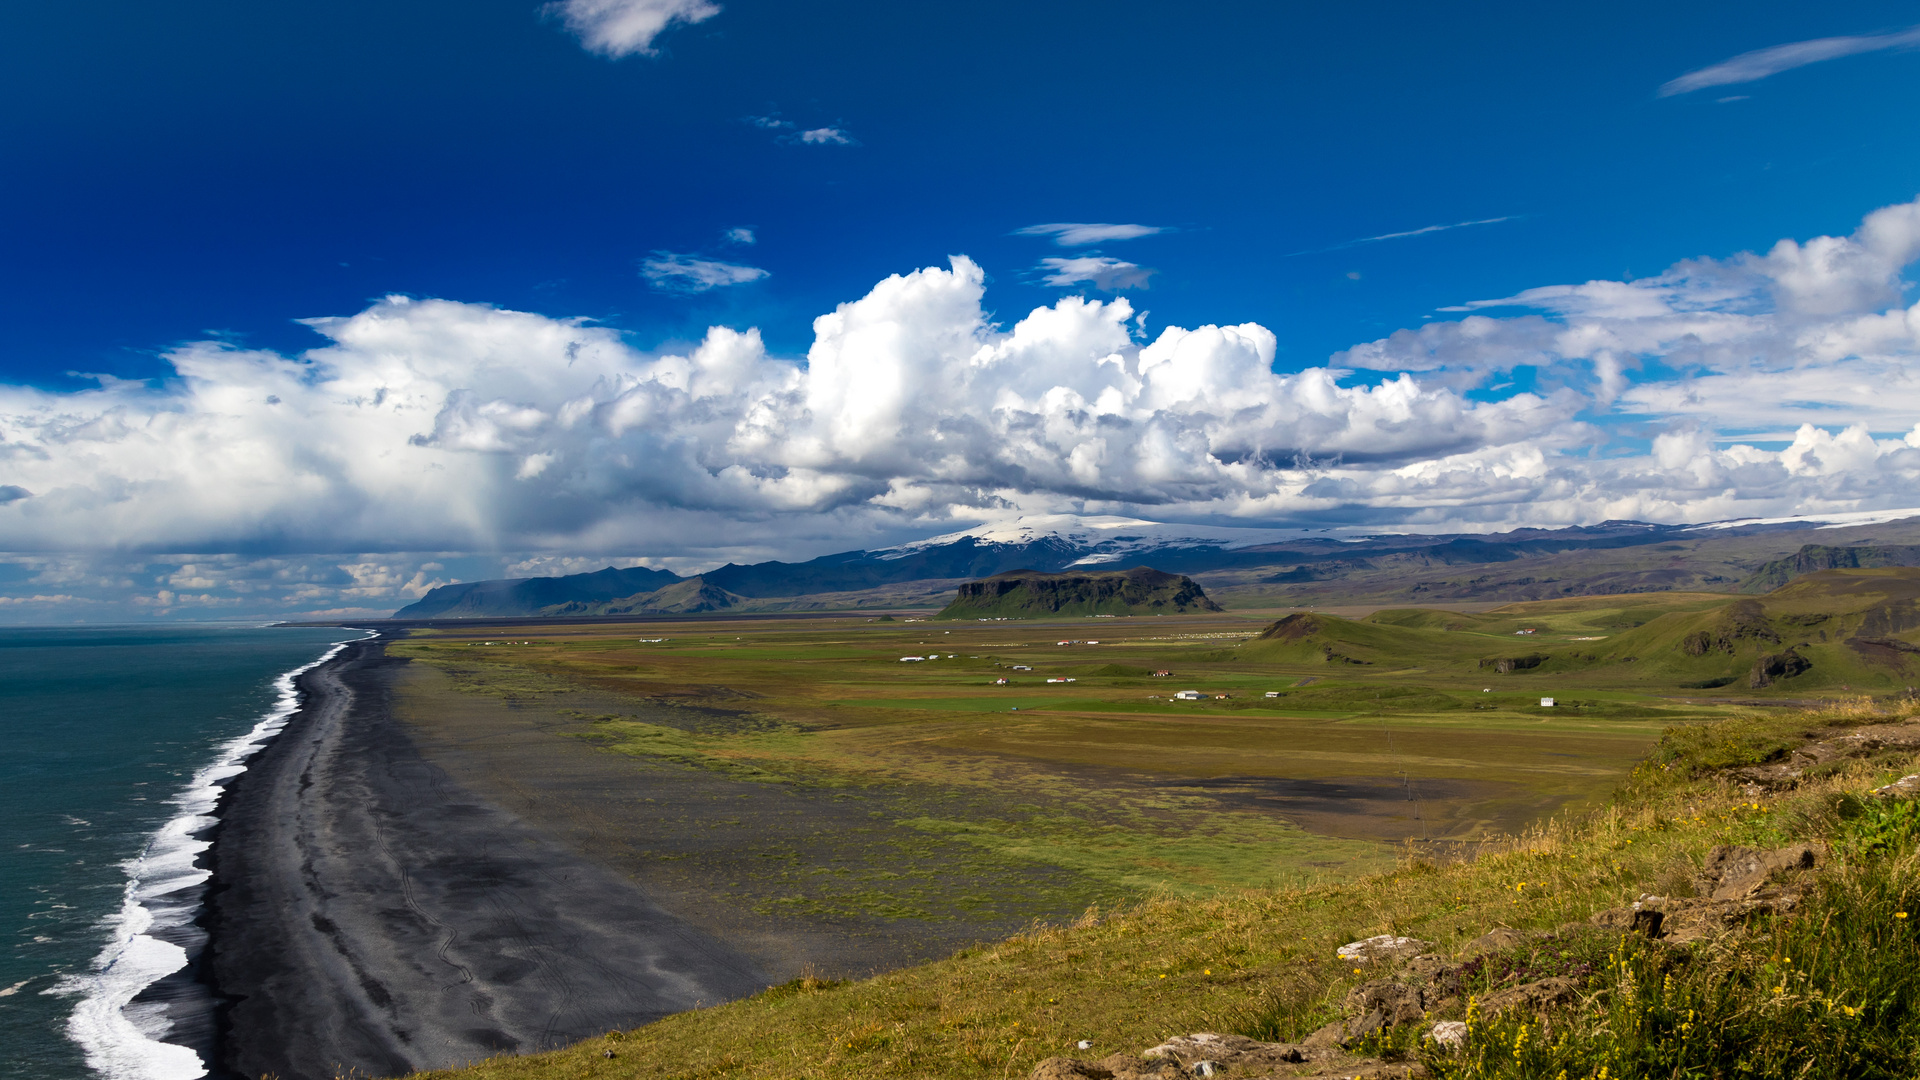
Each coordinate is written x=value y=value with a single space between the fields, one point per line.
x=370 y=914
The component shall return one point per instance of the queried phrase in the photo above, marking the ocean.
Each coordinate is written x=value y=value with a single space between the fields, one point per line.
x=113 y=744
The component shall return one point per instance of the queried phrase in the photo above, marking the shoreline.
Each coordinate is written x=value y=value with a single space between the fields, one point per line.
x=367 y=913
x=147 y=1009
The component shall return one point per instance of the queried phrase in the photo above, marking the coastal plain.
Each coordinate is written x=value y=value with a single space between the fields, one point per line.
x=843 y=795
x=820 y=798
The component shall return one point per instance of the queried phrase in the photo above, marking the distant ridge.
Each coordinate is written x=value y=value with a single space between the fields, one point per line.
x=1258 y=567
x=528 y=596
x=1028 y=594
x=1816 y=557
x=689 y=597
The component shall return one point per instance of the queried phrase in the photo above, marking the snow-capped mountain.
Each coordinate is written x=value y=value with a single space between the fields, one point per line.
x=1096 y=540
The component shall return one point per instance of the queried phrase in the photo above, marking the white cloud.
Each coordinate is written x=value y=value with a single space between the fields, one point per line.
x=619 y=28
x=426 y=431
x=1080 y=234
x=741 y=236
x=1760 y=63
x=1422 y=231
x=1101 y=272
x=825 y=136
x=791 y=134
x=669 y=272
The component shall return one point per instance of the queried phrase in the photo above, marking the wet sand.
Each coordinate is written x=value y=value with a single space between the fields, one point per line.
x=368 y=913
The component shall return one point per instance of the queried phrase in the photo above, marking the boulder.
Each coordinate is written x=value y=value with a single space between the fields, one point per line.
x=1638 y=919
x=1904 y=788
x=1499 y=939
x=1533 y=997
x=1397 y=1003
x=1382 y=947
x=1451 y=1034
x=1341 y=1032
x=1238 y=1051
x=1133 y=1067
x=1736 y=873
x=1066 y=1068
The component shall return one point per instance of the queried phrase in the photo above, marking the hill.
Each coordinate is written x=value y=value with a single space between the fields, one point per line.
x=1816 y=557
x=1028 y=594
x=528 y=596
x=1310 y=637
x=1830 y=631
x=688 y=597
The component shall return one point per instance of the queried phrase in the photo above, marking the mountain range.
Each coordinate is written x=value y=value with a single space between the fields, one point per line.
x=1239 y=567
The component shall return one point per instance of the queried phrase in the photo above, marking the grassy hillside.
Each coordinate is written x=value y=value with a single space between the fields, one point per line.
x=1832 y=631
x=1814 y=558
x=1821 y=980
x=691 y=596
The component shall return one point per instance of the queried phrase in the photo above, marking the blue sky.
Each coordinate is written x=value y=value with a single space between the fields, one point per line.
x=188 y=187
x=226 y=166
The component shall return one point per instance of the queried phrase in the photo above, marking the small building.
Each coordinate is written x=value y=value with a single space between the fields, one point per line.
x=1021 y=667
x=1273 y=693
x=1546 y=703
x=1001 y=681
x=1188 y=695
x=1162 y=674
x=911 y=659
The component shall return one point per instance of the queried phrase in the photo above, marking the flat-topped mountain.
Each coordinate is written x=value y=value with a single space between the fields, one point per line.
x=1030 y=594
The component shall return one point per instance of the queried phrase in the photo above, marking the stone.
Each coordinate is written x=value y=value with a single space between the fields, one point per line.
x=1204 y=1068
x=1451 y=1034
x=1132 y=1067
x=1904 y=788
x=1084 y=1044
x=1646 y=916
x=1397 y=1002
x=1341 y=1032
x=1223 y=1051
x=1533 y=997
x=1498 y=939
x=1066 y=1068
x=1735 y=873
x=1382 y=947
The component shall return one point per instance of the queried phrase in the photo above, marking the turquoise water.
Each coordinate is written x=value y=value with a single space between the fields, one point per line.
x=112 y=743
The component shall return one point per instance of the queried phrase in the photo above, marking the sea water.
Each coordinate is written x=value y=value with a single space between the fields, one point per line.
x=113 y=745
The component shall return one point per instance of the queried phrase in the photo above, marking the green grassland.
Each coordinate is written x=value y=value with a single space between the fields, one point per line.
x=1316 y=740
x=1829 y=989
x=1237 y=837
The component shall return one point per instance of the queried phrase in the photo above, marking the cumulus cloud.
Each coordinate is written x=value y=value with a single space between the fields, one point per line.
x=669 y=272
x=427 y=432
x=1080 y=234
x=1110 y=275
x=741 y=236
x=619 y=28
x=1760 y=63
